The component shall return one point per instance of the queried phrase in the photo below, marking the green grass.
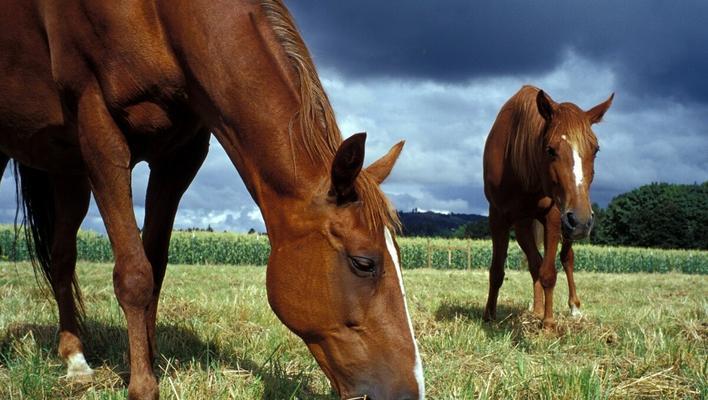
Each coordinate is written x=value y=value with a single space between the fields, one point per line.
x=644 y=336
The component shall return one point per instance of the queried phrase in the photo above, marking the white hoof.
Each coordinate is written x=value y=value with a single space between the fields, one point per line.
x=531 y=306
x=575 y=311
x=78 y=367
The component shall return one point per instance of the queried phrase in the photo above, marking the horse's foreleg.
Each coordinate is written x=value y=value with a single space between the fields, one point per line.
x=568 y=260
x=547 y=272
x=500 y=244
x=527 y=241
x=107 y=157
x=71 y=200
x=169 y=178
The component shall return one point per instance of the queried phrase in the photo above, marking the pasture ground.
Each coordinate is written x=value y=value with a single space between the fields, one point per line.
x=643 y=336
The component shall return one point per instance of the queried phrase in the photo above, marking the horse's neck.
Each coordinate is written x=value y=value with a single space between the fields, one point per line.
x=522 y=155
x=242 y=83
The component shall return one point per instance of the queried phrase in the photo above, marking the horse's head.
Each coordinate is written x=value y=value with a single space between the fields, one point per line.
x=338 y=284
x=570 y=148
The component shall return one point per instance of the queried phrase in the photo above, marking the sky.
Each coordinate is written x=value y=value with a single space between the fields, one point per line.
x=435 y=73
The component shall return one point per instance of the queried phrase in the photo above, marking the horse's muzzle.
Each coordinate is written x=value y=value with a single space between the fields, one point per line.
x=574 y=227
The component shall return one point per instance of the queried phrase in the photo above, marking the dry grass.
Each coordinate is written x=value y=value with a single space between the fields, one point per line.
x=642 y=336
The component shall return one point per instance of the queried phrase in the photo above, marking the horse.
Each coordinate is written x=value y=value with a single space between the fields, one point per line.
x=538 y=167
x=90 y=88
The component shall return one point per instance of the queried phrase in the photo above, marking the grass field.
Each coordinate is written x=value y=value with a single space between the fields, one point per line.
x=643 y=336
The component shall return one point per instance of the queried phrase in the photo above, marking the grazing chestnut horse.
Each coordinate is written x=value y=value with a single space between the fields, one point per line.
x=538 y=167
x=90 y=88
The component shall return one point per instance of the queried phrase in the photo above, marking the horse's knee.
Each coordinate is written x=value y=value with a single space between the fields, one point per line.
x=548 y=278
x=133 y=284
x=496 y=279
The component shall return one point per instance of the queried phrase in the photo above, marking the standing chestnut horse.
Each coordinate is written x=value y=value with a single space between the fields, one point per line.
x=89 y=88
x=538 y=166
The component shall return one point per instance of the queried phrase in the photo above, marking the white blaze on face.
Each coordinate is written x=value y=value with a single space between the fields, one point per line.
x=577 y=168
x=577 y=165
x=418 y=368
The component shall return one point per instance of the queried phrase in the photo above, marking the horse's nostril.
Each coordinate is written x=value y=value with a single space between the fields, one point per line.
x=570 y=217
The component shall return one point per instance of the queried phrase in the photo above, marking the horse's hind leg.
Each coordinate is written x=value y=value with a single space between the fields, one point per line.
x=525 y=236
x=71 y=200
x=169 y=178
x=500 y=244
x=568 y=259
x=107 y=156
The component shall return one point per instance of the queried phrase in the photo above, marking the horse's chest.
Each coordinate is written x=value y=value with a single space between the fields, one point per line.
x=147 y=101
x=154 y=128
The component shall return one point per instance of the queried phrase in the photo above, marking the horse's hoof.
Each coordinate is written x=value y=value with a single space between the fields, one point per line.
x=146 y=389
x=77 y=368
x=488 y=316
x=549 y=323
x=575 y=312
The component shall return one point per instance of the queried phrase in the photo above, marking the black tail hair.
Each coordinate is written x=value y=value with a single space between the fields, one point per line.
x=35 y=199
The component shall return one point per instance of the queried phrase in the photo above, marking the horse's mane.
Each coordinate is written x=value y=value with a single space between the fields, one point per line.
x=318 y=126
x=525 y=146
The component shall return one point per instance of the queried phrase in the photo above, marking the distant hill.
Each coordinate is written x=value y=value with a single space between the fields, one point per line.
x=429 y=223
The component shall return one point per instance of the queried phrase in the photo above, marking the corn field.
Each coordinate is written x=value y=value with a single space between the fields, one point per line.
x=243 y=249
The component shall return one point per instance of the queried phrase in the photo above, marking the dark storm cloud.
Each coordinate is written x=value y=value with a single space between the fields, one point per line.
x=656 y=46
x=435 y=73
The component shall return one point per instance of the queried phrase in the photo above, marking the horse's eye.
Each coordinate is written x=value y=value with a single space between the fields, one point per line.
x=362 y=265
x=551 y=151
x=597 y=150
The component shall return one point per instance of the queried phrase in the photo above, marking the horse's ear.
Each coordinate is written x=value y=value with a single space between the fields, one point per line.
x=545 y=108
x=596 y=113
x=346 y=167
x=382 y=167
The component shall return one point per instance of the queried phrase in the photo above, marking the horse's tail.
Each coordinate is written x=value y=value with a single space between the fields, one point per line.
x=35 y=201
x=3 y=164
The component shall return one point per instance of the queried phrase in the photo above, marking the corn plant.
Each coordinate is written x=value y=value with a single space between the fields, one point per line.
x=243 y=249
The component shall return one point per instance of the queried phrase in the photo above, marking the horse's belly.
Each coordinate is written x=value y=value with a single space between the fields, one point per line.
x=32 y=126
x=52 y=149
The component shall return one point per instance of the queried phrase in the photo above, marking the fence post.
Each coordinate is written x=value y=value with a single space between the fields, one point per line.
x=449 y=257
